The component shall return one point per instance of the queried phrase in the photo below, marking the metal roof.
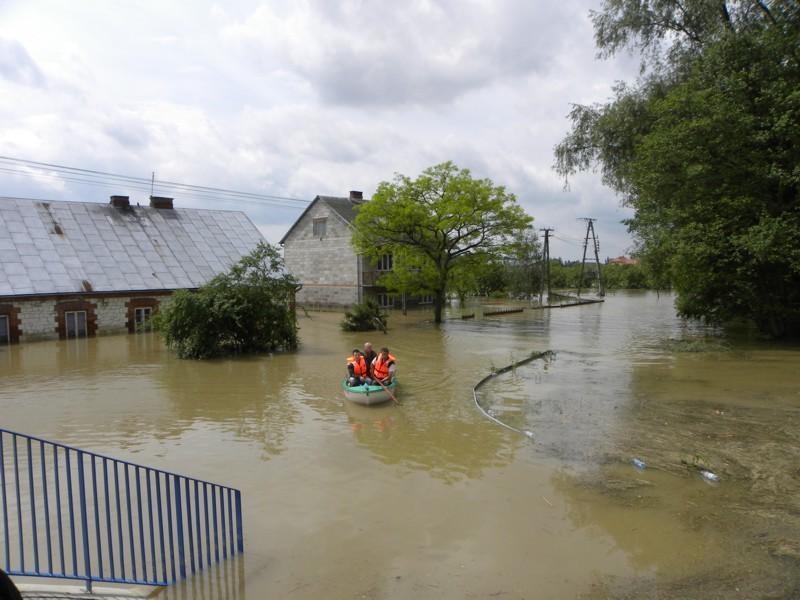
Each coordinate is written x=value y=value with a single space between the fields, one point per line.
x=49 y=247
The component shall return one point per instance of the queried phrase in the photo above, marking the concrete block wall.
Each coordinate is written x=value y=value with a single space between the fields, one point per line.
x=37 y=319
x=327 y=267
x=112 y=315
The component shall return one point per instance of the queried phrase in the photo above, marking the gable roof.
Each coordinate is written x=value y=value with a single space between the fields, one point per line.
x=76 y=247
x=343 y=207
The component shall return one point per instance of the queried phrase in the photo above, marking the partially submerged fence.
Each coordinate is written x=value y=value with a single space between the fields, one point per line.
x=72 y=514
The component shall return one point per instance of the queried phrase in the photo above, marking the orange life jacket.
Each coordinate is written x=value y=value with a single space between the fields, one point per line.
x=359 y=366
x=380 y=368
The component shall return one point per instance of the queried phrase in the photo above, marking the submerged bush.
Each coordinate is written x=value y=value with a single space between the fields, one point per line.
x=248 y=309
x=365 y=317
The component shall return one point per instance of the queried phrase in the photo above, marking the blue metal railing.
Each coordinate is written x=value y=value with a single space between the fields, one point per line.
x=72 y=514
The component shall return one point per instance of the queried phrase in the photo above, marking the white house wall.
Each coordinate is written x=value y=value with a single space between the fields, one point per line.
x=326 y=267
x=37 y=317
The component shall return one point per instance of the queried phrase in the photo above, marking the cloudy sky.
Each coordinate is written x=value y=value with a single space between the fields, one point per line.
x=303 y=97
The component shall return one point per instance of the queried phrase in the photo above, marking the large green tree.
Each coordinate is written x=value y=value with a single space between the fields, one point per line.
x=248 y=309
x=439 y=223
x=705 y=147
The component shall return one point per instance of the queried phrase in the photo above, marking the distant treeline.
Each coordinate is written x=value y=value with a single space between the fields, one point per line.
x=615 y=276
x=524 y=280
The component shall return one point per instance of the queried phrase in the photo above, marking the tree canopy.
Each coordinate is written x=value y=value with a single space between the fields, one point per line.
x=248 y=309
x=705 y=147
x=437 y=225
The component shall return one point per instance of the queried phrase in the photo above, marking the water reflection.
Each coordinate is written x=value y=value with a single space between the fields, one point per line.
x=224 y=580
x=252 y=397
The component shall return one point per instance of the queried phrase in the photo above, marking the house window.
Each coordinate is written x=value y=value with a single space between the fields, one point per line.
x=426 y=299
x=140 y=314
x=385 y=263
x=142 y=318
x=75 y=323
x=320 y=226
x=5 y=330
x=385 y=300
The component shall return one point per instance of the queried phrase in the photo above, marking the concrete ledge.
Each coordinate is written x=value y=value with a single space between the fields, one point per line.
x=43 y=591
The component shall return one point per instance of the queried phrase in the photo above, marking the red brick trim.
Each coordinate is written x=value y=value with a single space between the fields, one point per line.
x=12 y=312
x=135 y=303
x=70 y=305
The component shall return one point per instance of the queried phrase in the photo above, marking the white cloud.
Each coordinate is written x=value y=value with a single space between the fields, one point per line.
x=390 y=53
x=17 y=65
x=305 y=98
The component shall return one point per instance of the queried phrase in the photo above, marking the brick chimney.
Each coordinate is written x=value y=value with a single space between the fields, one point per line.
x=356 y=196
x=120 y=201
x=160 y=202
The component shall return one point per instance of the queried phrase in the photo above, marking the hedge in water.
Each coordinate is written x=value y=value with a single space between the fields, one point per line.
x=365 y=317
x=248 y=309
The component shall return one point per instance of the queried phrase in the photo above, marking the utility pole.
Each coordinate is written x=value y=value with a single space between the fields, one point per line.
x=596 y=244
x=545 y=265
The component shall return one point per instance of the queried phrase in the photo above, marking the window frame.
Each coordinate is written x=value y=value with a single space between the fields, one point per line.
x=385 y=263
x=75 y=314
x=146 y=322
x=5 y=339
x=319 y=227
x=385 y=300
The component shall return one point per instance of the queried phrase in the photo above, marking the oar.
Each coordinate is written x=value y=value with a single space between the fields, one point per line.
x=388 y=391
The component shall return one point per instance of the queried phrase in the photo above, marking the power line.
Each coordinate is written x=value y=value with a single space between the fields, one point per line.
x=139 y=188
x=567 y=240
x=208 y=192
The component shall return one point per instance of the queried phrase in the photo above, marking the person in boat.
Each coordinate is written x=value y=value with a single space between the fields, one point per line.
x=369 y=355
x=383 y=367
x=357 y=369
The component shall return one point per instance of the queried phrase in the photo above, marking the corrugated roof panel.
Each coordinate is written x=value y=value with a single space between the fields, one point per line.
x=113 y=249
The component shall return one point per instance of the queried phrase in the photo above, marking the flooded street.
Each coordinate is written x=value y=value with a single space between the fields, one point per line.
x=431 y=499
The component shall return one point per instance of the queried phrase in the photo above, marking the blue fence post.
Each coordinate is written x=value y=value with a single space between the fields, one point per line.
x=5 y=502
x=239 y=532
x=33 y=508
x=71 y=514
x=170 y=537
x=87 y=560
x=46 y=510
x=189 y=523
x=58 y=510
x=179 y=528
x=97 y=516
x=19 y=504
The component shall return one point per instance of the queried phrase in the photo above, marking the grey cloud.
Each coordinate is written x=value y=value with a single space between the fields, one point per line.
x=387 y=54
x=130 y=136
x=17 y=65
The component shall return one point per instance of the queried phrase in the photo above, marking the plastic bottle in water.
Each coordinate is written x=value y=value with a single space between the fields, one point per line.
x=709 y=476
x=639 y=464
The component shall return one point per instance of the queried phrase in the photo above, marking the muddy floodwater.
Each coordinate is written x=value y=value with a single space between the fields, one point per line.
x=435 y=499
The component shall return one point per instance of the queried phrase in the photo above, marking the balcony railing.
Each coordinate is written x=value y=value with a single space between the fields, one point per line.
x=72 y=514
x=370 y=278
